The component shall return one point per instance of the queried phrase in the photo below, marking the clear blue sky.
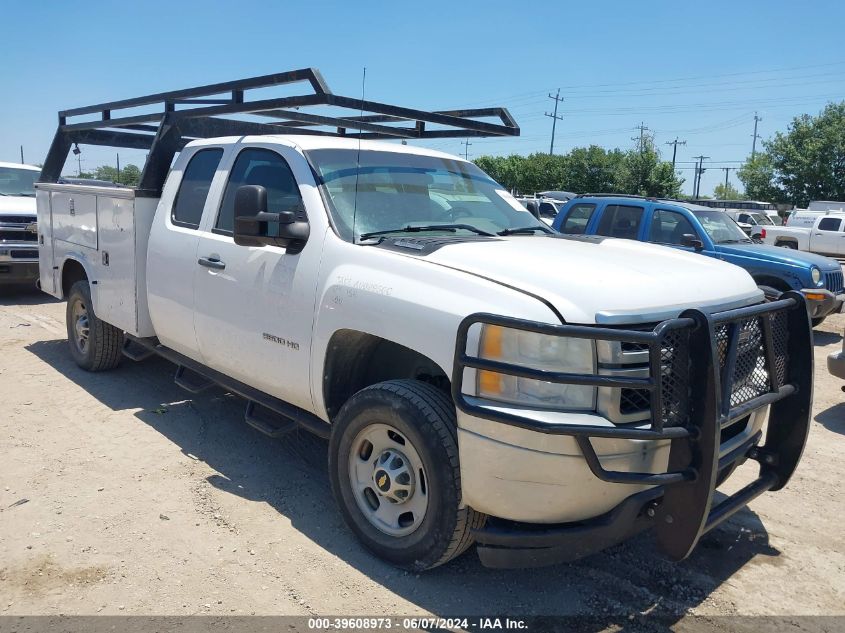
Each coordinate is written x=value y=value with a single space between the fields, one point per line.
x=697 y=71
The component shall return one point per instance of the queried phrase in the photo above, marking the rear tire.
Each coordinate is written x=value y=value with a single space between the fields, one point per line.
x=94 y=344
x=791 y=245
x=407 y=430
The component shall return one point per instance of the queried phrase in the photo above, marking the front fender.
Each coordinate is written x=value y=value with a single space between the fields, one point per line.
x=406 y=300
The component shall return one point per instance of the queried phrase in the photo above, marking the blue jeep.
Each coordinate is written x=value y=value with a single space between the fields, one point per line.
x=710 y=232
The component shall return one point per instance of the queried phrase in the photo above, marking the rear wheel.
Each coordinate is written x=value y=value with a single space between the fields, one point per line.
x=393 y=463
x=791 y=245
x=94 y=344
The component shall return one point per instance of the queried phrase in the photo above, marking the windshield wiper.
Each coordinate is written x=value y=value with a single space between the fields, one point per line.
x=524 y=230
x=745 y=241
x=428 y=227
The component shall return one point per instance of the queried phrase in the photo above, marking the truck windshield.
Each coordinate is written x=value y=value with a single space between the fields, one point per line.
x=18 y=182
x=396 y=190
x=720 y=227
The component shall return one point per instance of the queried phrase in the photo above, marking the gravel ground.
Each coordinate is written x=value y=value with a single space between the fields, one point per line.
x=122 y=494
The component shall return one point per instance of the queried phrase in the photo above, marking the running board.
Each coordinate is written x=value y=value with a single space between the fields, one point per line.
x=303 y=418
x=268 y=422
x=136 y=352
x=191 y=380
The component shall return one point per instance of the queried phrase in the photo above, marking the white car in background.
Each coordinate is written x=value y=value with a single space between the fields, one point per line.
x=18 y=227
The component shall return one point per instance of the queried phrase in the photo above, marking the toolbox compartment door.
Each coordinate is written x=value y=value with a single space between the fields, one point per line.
x=74 y=218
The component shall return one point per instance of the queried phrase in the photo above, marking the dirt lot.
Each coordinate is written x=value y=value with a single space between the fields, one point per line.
x=140 y=499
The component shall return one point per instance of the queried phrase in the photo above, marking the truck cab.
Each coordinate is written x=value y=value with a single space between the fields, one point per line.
x=710 y=232
x=400 y=303
x=18 y=228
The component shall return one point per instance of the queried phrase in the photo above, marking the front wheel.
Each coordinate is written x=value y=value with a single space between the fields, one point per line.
x=94 y=344
x=393 y=464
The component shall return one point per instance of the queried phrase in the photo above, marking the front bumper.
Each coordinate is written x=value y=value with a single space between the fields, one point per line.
x=693 y=360
x=821 y=302
x=836 y=363
x=18 y=272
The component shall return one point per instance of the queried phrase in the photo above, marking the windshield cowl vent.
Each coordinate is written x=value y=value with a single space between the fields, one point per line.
x=426 y=245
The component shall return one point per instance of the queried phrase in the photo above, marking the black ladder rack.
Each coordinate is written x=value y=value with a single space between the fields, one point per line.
x=181 y=116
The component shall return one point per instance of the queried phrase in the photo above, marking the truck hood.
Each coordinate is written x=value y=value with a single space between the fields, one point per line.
x=775 y=254
x=16 y=205
x=599 y=280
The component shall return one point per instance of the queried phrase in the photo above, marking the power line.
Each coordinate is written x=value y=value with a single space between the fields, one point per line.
x=697 y=178
x=756 y=136
x=727 y=171
x=643 y=129
x=466 y=145
x=555 y=118
x=674 y=145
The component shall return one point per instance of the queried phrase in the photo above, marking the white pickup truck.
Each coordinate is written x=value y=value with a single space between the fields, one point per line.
x=18 y=232
x=826 y=236
x=479 y=378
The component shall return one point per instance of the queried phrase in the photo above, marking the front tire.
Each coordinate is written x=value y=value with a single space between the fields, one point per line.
x=94 y=344
x=393 y=465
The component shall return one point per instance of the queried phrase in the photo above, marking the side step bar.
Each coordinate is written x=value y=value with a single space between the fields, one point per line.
x=272 y=425
x=136 y=352
x=300 y=417
x=191 y=380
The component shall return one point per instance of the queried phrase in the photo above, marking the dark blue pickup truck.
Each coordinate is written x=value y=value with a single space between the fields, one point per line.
x=710 y=232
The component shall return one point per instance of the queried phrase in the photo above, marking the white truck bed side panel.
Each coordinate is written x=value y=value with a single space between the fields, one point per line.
x=45 y=244
x=116 y=289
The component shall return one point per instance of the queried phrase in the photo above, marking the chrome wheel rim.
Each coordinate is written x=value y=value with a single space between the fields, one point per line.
x=388 y=480
x=81 y=326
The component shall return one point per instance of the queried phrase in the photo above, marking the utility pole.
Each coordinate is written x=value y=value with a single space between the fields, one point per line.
x=727 y=170
x=555 y=118
x=22 y=161
x=118 y=169
x=756 y=136
x=698 y=171
x=643 y=129
x=675 y=144
x=466 y=145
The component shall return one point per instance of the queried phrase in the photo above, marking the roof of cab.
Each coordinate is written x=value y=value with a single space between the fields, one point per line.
x=307 y=142
x=19 y=166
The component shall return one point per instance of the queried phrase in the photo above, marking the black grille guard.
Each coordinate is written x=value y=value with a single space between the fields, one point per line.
x=705 y=372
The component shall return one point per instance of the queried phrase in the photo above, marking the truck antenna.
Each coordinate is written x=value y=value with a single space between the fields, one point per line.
x=358 y=159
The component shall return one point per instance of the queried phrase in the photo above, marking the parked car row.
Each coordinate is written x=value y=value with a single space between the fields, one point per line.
x=713 y=233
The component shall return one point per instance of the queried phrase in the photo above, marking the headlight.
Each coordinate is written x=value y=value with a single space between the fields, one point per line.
x=536 y=351
x=816 y=275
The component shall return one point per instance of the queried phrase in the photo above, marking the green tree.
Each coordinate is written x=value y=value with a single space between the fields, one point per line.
x=727 y=192
x=591 y=169
x=642 y=172
x=805 y=163
x=130 y=175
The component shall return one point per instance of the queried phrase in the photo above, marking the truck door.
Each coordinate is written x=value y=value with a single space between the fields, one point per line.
x=254 y=306
x=172 y=251
x=827 y=237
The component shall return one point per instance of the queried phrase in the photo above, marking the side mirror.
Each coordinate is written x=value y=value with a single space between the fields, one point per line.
x=254 y=226
x=690 y=240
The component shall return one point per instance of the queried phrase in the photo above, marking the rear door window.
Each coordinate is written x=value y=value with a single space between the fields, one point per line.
x=577 y=219
x=193 y=190
x=668 y=227
x=619 y=220
x=830 y=224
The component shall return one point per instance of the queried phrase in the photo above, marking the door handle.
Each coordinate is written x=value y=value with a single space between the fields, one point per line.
x=209 y=262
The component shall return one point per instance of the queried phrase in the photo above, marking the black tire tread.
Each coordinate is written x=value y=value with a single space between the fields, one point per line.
x=439 y=412
x=108 y=349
